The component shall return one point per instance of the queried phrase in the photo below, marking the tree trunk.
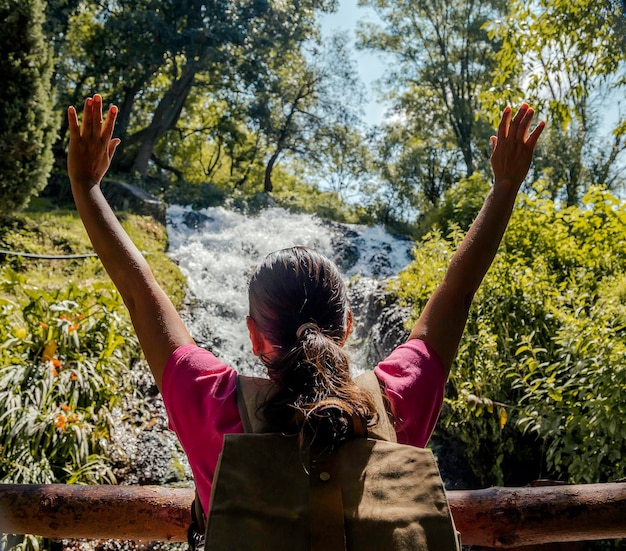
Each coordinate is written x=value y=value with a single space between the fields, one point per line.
x=267 y=183
x=121 y=163
x=165 y=116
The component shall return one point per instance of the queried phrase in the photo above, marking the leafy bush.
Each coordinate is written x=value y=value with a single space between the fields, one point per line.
x=28 y=122
x=63 y=360
x=539 y=384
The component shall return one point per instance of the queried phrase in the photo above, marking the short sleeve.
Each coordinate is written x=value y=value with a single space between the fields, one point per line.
x=414 y=380
x=200 y=396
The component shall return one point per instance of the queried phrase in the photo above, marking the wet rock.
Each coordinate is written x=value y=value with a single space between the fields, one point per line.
x=345 y=245
x=380 y=261
x=378 y=320
x=195 y=220
x=142 y=448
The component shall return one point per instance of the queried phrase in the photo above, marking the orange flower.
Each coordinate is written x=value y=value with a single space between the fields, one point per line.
x=61 y=422
x=73 y=376
x=55 y=366
x=65 y=407
x=64 y=317
x=73 y=327
x=44 y=325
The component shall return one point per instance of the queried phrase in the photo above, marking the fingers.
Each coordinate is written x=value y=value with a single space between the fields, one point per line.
x=534 y=136
x=494 y=143
x=113 y=146
x=109 y=124
x=503 y=128
x=85 y=128
x=72 y=119
x=524 y=125
x=96 y=128
x=518 y=126
x=92 y=123
x=516 y=129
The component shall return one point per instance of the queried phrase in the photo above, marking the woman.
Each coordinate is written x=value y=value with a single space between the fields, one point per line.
x=299 y=317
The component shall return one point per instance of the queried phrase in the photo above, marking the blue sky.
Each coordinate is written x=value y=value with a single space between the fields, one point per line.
x=370 y=65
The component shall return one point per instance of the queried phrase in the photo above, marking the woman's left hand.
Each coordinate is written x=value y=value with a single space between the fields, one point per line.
x=513 y=148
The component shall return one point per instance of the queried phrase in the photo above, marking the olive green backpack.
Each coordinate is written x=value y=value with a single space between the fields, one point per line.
x=371 y=493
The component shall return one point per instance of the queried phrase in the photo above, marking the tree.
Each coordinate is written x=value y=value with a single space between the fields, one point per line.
x=443 y=59
x=570 y=57
x=226 y=48
x=28 y=123
x=102 y=47
x=309 y=106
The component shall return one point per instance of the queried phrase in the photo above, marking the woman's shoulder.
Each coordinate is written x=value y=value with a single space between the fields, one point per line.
x=413 y=356
x=191 y=366
x=414 y=379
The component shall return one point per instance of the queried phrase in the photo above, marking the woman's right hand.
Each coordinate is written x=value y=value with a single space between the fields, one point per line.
x=91 y=146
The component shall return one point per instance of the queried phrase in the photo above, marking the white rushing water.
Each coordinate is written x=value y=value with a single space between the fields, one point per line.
x=217 y=249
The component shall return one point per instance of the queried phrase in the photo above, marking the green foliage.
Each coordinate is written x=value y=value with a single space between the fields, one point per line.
x=53 y=231
x=293 y=195
x=459 y=205
x=62 y=369
x=566 y=57
x=442 y=58
x=28 y=122
x=66 y=351
x=540 y=370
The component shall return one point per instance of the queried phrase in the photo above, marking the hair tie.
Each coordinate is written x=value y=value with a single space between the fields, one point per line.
x=305 y=327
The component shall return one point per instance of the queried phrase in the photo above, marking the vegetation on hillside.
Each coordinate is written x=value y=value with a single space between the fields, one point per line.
x=538 y=386
x=66 y=347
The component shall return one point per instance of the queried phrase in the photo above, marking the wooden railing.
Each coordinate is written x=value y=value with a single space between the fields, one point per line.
x=494 y=517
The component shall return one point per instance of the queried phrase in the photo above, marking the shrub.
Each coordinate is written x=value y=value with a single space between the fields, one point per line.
x=540 y=372
x=63 y=360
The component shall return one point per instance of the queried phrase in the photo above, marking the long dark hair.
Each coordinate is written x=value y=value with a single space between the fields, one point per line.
x=300 y=304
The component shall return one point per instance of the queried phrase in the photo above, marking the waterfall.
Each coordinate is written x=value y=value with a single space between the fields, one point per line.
x=217 y=249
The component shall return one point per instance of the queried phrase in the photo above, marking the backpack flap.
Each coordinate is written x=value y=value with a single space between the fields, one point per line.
x=393 y=498
x=370 y=494
x=260 y=497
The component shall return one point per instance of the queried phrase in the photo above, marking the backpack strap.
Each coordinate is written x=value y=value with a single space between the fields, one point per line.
x=197 y=528
x=382 y=428
x=327 y=524
x=252 y=393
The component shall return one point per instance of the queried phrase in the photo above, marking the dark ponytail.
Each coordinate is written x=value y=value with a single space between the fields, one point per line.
x=299 y=302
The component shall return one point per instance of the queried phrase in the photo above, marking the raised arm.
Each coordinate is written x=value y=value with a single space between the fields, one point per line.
x=157 y=323
x=442 y=322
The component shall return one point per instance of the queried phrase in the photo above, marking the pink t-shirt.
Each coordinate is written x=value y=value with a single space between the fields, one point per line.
x=199 y=393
